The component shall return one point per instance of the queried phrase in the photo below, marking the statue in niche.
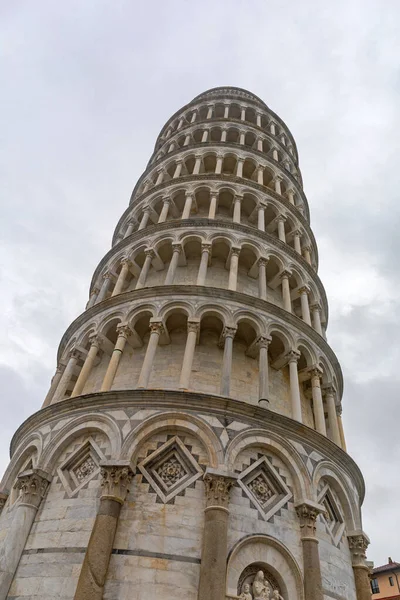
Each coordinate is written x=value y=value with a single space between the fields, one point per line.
x=246 y=595
x=261 y=589
x=276 y=595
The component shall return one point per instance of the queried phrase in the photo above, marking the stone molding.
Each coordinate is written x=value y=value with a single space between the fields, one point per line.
x=256 y=416
x=32 y=486
x=116 y=478
x=206 y=292
x=358 y=544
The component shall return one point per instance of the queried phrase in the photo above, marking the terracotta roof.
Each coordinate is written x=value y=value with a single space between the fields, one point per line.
x=392 y=566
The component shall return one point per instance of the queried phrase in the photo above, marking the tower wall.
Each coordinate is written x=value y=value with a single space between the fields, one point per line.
x=191 y=441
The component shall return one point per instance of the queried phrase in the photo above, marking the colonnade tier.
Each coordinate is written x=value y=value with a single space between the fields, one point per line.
x=224 y=160
x=217 y=130
x=230 y=258
x=215 y=199
x=230 y=104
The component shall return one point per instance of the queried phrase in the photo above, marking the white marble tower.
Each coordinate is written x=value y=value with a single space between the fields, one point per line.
x=191 y=442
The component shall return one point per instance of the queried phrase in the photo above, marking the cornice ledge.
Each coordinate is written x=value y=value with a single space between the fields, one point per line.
x=208 y=292
x=200 y=403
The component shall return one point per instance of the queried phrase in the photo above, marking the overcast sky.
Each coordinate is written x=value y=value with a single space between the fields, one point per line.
x=85 y=88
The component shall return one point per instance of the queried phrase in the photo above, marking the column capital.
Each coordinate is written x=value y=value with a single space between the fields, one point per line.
x=156 y=327
x=228 y=332
x=149 y=252
x=358 y=544
x=75 y=353
x=115 y=480
x=198 y=155
x=107 y=275
x=218 y=485
x=238 y=197
x=315 y=371
x=126 y=262
x=235 y=251
x=220 y=155
x=293 y=356
x=261 y=206
x=147 y=209
x=193 y=326
x=329 y=389
x=290 y=191
x=96 y=340
x=263 y=341
x=206 y=247
x=189 y=194
x=304 y=290
x=281 y=218
x=123 y=331
x=32 y=486
x=241 y=159
x=177 y=247
x=263 y=261
x=166 y=199
x=277 y=178
x=285 y=274
x=3 y=500
x=316 y=307
x=307 y=512
x=297 y=232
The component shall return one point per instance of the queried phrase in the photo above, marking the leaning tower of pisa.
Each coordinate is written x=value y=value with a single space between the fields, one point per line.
x=191 y=443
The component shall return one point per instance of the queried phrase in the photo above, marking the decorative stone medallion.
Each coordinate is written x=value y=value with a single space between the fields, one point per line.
x=80 y=467
x=170 y=469
x=333 y=517
x=264 y=487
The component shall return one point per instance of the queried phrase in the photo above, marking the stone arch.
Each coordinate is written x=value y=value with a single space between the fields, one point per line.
x=75 y=428
x=31 y=447
x=245 y=315
x=265 y=550
x=277 y=445
x=331 y=473
x=178 y=422
x=175 y=305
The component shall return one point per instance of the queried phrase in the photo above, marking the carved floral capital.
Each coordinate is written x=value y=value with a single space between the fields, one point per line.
x=115 y=481
x=307 y=513
x=32 y=486
x=218 y=487
x=358 y=544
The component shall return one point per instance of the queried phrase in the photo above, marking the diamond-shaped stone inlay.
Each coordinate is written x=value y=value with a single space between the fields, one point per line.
x=264 y=487
x=80 y=467
x=170 y=469
x=333 y=517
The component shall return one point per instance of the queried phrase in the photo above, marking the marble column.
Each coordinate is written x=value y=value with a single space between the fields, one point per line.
x=186 y=143
x=290 y=195
x=197 y=164
x=160 y=176
x=156 y=329
x=237 y=203
x=261 y=218
x=275 y=154
x=307 y=513
x=295 y=399
x=287 y=302
x=129 y=229
x=123 y=332
x=358 y=544
x=260 y=144
x=188 y=205
x=259 y=115
x=53 y=385
x=213 y=205
x=272 y=128
x=179 y=167
x=227 y=336
x=204 y=136
x=316 y=317
x=243 y=113
x=116 y=479
x=164 y=211
x=233 y=268
x=305 y=309
x=92 y=298
x=226 y=111
x=219 y=164
x=205 y=257
x=176 y=250
x=262 y=278
x=332 y=415
x=95 y=344
x=307 y=254
x=296 y=240
x=281 y=228
x=32 y=486
x=123 y=274
x=277 y=183
x=341 y=430
x=193 y=328
x=212 y=585
x=145 y=218
x=224 y=134
x=318 y=405
x=107 y=278
x=239 y=167
x=141 y=282
x=194 y=116
x=242 y=136
x=263 y=388
x=210 y=111
x=69 y=370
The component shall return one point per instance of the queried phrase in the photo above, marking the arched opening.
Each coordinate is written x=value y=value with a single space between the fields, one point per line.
x=219 y=111
x=250 y=169
x=202 y=196
x=235 y=111
x=229 y=164
x=215 y=134
x=218 y=273
x=244 y=377
x=250 y=140
x=232 y=136
x=251 y=116
x=207 y=362
x=247 y=282
x=225 y=202
x=209 y=163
